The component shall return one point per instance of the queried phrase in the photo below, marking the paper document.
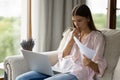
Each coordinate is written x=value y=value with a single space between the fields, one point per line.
x=85 y=50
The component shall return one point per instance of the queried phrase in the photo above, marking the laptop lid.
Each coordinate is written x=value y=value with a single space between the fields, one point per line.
x=38 y=62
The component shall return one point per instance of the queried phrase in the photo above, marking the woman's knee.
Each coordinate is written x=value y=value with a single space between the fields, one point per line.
x=25 y=76
x=19 y=78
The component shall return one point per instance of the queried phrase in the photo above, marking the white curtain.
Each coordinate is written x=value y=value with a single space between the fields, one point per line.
x=24 y=20
x=49 y=20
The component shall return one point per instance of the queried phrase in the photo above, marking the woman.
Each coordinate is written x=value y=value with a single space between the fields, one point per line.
x=71 y=59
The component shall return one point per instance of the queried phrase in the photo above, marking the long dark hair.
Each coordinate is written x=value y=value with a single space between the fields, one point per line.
x=84 y=11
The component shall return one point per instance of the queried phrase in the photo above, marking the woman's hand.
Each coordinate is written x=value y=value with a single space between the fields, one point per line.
x=88 y=62
x=76 y=32
x=69 y=46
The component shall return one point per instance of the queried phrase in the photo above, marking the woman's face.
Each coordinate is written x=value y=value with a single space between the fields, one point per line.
x=81 y=23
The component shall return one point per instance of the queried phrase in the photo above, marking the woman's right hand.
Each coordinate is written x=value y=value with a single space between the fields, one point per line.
x=70 y=43
x=76 y=33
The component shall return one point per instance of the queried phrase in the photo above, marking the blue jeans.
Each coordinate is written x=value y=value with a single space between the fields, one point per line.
x=32 y=75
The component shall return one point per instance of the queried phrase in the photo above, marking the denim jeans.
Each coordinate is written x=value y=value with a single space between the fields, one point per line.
x=32 y=75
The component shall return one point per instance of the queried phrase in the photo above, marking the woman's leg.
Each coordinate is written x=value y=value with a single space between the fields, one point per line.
x=62 y=77
x=32 y=75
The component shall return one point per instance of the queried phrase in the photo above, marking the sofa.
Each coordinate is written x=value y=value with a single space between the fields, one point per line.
x=16 y=65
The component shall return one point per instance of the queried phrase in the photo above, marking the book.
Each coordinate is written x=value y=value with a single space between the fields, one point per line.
x=89 y=53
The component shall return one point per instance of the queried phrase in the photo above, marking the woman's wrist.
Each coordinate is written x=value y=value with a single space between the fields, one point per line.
x=88 y=63
x=94 y=66
x=68 y=47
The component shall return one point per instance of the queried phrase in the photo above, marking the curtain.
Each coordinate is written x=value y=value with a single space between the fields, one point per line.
x=49 y=20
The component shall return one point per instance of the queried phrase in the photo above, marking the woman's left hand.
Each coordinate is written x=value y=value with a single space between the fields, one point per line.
x=91 y=64
x=86 y=60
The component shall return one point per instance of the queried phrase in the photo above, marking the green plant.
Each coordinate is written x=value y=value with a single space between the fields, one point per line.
x=118 y=22
x=1 y=73
x=9 y=40
x=100 y=20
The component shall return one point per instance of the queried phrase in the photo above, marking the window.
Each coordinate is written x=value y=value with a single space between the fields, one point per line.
x=10 y=23
x=118 y=15
x=99 y=12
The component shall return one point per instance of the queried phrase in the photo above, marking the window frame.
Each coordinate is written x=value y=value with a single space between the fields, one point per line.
x=111 y=14
x=29 y=20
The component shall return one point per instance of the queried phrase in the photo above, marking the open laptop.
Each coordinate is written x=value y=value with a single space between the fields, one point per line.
x=39 y=62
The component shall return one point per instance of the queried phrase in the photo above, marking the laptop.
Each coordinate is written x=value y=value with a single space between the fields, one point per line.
x=38 y=62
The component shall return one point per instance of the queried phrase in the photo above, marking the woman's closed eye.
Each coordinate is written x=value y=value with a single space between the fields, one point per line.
x=76 y=21
x=79 y=20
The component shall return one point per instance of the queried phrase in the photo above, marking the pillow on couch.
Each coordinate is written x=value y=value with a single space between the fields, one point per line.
x=117 y=71
x=112 y=52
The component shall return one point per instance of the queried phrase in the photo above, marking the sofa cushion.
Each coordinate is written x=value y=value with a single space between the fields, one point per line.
x=116 y=75
x=112 y=52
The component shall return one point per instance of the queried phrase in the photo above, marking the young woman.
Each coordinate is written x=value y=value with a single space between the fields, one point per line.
x=79 y=66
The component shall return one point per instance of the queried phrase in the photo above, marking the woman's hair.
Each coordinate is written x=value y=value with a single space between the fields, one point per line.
x=84 y=11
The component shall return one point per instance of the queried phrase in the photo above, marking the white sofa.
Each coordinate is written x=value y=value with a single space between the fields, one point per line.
x=16 y=65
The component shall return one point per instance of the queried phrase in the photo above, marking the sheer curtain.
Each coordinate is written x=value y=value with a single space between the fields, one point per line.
x=49 y=20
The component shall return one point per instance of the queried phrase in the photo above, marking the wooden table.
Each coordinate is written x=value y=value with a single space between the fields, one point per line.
x=2 y=68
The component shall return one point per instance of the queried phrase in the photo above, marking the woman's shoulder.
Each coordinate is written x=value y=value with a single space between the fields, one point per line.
x=98 y=35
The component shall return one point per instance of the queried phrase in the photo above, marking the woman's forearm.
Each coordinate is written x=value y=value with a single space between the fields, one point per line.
x=68 y=48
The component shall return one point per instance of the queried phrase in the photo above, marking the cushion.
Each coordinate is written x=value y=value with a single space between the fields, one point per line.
x=112 y=52
x=117 y=71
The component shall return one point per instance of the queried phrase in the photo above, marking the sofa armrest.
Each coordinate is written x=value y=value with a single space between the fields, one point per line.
x=16 y=65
